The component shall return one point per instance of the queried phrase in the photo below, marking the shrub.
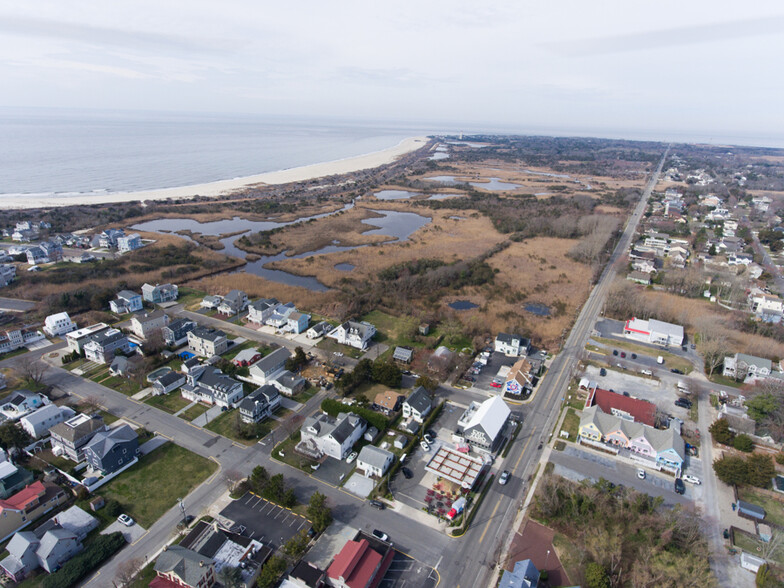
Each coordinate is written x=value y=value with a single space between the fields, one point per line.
x=113 y=508
x=333 y=408
x=596 y=576
x=743 y=442
x=720 y=431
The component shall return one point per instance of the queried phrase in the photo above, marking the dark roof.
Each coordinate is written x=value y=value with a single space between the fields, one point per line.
x=169 y=378
x=273 y=359
x=308 y=574
x=266 y=393
x=419 y=400
x=69 y=433
x=217 y=380
x=105 y=441
x=104 y=338
x=183 y=562
x=208 y=334
x=751 y=509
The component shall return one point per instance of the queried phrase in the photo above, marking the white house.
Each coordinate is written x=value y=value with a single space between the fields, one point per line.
x=418 y=405
x=512 y=344
x=160 y=293
x=374 y=461
x=77 y=339
x=126 y=301
x=58 y=324
x=206 y=342
x=129 y=243
x=354 y=334
x=481 y=424
x=318 y=330
x=325 y=435
x=144 y=325
x=653 y=331
x=38 y=423
x=208 y=384
x=260 y=310
x=269 y=367
x=746 y=367
x=762 y=303
x=21 y=403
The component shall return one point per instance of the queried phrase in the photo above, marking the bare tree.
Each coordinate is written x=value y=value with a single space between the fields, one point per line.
x=31 y=369
x=292 y=424
x=90 y=404
x=712 y=343
x=232 y=478
x=127 y=570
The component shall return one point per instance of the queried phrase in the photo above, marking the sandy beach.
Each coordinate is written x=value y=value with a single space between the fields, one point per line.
x=223 y=187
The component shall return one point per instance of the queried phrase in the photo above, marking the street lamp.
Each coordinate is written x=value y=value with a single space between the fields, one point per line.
x=546 y=560
x=182 y=508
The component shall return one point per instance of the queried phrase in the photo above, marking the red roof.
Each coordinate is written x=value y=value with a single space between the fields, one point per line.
x=24 y=497
x=641 y=410
x=161 y=582
x=356 y=564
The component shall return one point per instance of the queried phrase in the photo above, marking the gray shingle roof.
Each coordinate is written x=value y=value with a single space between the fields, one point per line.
x=184 y=563
x=419 y=400
x=104 y=441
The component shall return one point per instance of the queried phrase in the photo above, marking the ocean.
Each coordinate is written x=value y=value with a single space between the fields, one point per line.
x=83 y=153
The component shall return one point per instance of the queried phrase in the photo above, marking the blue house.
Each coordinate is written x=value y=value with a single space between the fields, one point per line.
x=297 y=322
x=126 y=301
x=110 y=450
x=524 y=575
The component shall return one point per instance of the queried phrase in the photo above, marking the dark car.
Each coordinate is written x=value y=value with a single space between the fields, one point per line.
x=602 y=372
x=634 y=356
x=676 y=371
x=683 y=403
x=680 y=487
x=626 y=394
x=377 y=504
x=407 y=473
x=615 y=352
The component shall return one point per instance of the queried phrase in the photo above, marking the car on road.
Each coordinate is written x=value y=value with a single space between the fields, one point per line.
x=351 y=457
x=676 y=371
x=424 y=445
x=428 y=439
x=634 y=356
x=602 y=372
x=641 y=473
x=380 y=535
x=623 y=354
x=625 y=393
x=407 y=473
x=680 y=487
x=504 y=477
x=691 y=479
x=124 y=519
x=683 y=403
x=615 y=352
x=693 y=346
x=377 y=504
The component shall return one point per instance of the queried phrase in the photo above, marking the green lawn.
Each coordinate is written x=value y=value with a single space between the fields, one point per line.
x=75 y=364
x=306 y=395
x=751 y=545
x=774 y=507
x=670 y=360
x=193 y=412
x=290 y=457
x=331 y=346
x=717 y=378
x=152 y=486
x=393 y=330
x=571 y=424
x=123 y=385
x=188 y=296
x=170 y=403
x=224 y=425
x=108 y=418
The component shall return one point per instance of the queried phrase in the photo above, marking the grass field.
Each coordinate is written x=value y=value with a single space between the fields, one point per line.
x=170 y=403
x=774 y=508
x=120 y=384
x=752 y=545
x=721 y=380
x=224 y=425
x=571 y=423
x=193 y=412
x=152 y=486
x=670 y=360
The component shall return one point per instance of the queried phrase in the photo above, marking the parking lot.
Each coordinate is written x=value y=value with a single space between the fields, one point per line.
x=333 y=471
x=489 y=372
x=264 y=521
x=405 y=571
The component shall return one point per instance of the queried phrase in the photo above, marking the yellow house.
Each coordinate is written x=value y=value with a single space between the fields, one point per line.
x=27 y=505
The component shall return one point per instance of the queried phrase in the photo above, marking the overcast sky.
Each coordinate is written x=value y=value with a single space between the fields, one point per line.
x=711 y=67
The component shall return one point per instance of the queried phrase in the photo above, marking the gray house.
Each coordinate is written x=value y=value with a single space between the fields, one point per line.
x=267 y=368
x=69 y=438
x=208 y=384
x=374 y=461
x=259 y=404
x=26 y=552
x=233 y=303
x=168 y=382
x=176 y=332
x=110 y=450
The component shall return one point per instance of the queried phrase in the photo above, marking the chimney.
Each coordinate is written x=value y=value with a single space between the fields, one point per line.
x=215 y=526
x=201 y=563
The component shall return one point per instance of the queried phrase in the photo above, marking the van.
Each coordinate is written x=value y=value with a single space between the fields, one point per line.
x=646 y=372
x=660 y=360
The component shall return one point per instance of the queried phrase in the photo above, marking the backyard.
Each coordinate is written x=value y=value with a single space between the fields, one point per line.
x=149 y=488
x=774 y=508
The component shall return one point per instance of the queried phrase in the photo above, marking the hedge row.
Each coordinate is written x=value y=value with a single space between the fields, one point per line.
x=333 y=408
x=77 y=568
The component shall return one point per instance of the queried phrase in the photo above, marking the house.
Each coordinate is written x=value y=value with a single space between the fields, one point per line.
x=211 y=302
x=27 y=505
x=73 y=519
x=306 y=575
x=169 y=382
x=160 y=293
x=59 y=324
x=246 y=357
x=206 y=342
x=21 y=402
x=762 y=303
x=12 y=479
x=129 y=243
x=46 y=252
x=374 y=461
x=145 y=324
x=267 y=368
x=125 y=302
x=520 y=378
x=7 y=274
x=38 y=422
x=210 y=385
x=354 y=334
x=625 y=407
x=102 y=347
x=665 y=447
x=371 y=434
x=288 y=383
x=12 y=339
x=259 y=404
x=120 y=366
x=746 y=367
x=77 y=339
x=639 y=278
x=108 y=238
x=280 y=315
x=259 y=311
x=318 y=330
x=418 y=405
x=400 y=441
x=524 y=575
x=361 y=563
x=181 y=567
x=388 y=401
x=70 y=437
x=110 y=450
x=512 y=344
x=653 y=331
x=233 y=303
x=403 y=354
x=27 y=552
x=176 y=332
x=297 y=322
x=325 y=435
x=481 y=424
x=738 y=419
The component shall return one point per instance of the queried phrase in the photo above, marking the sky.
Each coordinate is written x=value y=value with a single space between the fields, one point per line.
x=709 y=67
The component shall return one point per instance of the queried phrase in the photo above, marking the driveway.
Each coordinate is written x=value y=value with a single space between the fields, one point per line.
x=204 y=419
x=131 y=534
x=333 y=471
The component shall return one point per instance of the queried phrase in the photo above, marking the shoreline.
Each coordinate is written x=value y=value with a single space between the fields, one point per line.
x=223 y=187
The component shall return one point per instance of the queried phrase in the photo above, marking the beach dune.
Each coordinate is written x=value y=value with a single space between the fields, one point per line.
x=224 y=187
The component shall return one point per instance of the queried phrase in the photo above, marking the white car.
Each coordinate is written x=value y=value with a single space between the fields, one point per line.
x=424 y=445
x=125 y=520
x=692 y=479
x=641 y=473
x=428 y=439
x=351 y=457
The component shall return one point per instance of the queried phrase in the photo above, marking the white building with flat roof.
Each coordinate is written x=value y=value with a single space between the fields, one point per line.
x=653 y=331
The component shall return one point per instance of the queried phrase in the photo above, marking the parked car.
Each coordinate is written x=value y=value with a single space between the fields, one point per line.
x=124 y=519
x=680 y=487
x=634 y=356
x=691 y=479
x=683 y=403
x=377 y=504
x=641 y=473
x=496 y=384
x=602 y=372
x=676 y=371
x=352 y=456
x=428 y=439
x=380 y=535
x=424 y=445
x=504 y=477
x=615 y=352
x=623 y=354
x=407 y=473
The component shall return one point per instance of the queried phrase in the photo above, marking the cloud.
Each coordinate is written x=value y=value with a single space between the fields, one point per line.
x=666 y=38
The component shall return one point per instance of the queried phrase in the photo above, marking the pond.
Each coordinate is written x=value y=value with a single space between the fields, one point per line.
x=344 y=267
x=442 y=179
x=537 y=308
x=394 y=194
x=443 y=196
x=437 y=156
x=400 y=225
x=462 y=305
x=495 y=184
